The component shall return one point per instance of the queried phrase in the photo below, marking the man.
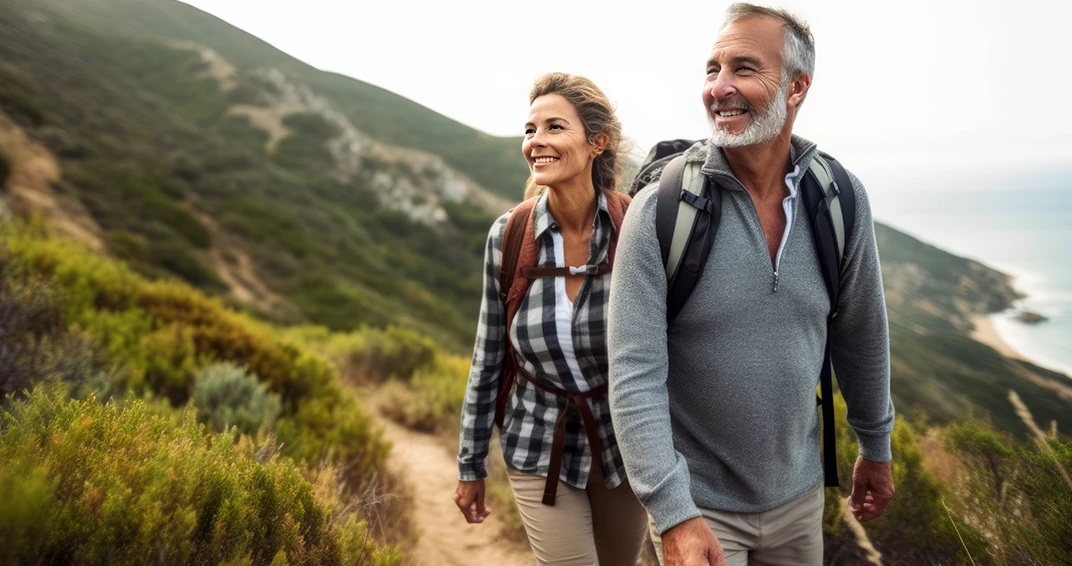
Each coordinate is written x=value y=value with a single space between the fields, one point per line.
x=733 y=382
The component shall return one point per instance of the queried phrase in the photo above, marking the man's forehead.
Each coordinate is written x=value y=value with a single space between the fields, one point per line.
x=755 y=33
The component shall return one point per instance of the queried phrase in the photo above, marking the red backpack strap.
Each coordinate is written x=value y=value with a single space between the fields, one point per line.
x=512 y=287
x=617 y=205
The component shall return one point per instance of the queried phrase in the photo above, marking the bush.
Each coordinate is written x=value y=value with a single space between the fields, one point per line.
x=916 y=526
x=432 y=401
x=372 y=355
x=333 y=427
x=35 y=346
x=225 y=396
x=89 y=483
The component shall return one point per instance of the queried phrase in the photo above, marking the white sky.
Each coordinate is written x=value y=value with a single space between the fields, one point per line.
x=950 y=83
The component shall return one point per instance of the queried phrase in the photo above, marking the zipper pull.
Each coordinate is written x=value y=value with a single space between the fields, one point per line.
x=775 y=290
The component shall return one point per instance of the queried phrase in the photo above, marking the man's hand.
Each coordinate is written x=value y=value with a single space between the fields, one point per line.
x=692 y=543
x=469 y=497
x=872 y=489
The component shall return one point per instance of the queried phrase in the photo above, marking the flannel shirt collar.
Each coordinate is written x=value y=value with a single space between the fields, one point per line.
x=544 y=220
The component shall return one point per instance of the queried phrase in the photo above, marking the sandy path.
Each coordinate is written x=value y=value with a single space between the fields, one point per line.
x=446 y=539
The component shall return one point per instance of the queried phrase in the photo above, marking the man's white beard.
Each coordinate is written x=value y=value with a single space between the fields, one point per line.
x=764 y=127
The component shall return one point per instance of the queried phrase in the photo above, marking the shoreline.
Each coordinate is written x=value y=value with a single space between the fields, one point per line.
x=986 y=332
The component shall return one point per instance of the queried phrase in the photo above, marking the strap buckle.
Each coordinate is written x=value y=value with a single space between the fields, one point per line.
x=698 y=201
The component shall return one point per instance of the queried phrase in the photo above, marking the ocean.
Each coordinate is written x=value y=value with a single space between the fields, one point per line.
x=1016 y=222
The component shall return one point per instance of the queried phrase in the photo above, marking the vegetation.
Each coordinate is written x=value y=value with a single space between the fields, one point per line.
x=225 y=396
x=140 y=372
x=165 y=343
x=170 y=175
x=91 y=483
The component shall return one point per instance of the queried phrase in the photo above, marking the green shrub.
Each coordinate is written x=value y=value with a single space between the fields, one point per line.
x=432 y=401
x=373 y=355
x=916 y=526
x=333 y=427
x=91 y=483
x=225 y=396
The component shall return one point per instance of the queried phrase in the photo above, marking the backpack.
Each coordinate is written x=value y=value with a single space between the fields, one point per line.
x=519 y=255
x=687 y=214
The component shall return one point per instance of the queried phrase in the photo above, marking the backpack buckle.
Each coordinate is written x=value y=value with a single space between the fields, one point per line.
x=698 y=201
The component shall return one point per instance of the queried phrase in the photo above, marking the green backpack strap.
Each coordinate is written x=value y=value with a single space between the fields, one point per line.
x=687 y=214
x=840 y=197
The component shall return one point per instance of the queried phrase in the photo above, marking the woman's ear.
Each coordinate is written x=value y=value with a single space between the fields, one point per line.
x=599 y=143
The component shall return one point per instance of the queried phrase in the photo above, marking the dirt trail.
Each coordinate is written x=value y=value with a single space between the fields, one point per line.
x=33 y=171
x=446 y=539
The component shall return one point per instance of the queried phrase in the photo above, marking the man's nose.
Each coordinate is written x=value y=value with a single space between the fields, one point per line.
x=723 y=86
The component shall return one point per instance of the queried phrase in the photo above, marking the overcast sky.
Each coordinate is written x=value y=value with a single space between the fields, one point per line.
x=950 y=83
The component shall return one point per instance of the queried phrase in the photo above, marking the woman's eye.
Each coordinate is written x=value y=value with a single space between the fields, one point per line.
x=529 y=131
x=555 y=127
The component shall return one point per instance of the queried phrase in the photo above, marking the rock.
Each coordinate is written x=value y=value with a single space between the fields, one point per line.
x=1028 y=317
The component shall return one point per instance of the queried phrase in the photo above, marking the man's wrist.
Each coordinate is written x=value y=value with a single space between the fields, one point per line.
x=875 y=447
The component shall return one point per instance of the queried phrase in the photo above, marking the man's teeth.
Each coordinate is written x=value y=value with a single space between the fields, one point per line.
x=728 y=113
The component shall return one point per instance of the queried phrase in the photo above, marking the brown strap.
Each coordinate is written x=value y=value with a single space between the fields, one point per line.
x=541 y=272
x=513 y=241
x=520 y=252
x=580 y=401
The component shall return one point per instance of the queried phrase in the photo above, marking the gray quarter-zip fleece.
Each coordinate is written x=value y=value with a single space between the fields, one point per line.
x=718 y=409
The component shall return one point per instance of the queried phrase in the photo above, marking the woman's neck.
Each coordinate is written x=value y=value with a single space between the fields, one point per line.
x=573 y=207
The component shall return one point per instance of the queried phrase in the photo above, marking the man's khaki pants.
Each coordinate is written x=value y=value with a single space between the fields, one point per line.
x=790 y=534
x=584 y=527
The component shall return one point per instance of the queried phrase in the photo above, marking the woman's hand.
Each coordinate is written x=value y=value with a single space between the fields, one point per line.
x=469 y=497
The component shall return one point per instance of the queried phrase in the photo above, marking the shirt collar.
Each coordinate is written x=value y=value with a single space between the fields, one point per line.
x=544 y=220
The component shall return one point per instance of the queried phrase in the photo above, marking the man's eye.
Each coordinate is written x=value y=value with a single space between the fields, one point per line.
x=712 y=72
x=746 y=70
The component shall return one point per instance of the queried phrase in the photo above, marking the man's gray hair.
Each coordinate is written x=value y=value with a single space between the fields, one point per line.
x=798 y=54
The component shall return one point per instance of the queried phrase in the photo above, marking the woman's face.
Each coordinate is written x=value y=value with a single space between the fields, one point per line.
x=555 y=146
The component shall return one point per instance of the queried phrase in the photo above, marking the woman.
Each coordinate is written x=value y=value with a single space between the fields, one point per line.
x=562 y=458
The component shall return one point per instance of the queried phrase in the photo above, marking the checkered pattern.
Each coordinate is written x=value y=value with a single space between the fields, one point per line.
x=528 y=424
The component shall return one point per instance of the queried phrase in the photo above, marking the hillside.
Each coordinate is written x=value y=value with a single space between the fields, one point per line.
x=244 y=180
x=169 y=139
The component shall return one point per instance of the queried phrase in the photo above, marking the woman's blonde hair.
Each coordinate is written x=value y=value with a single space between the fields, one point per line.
x=597 y=117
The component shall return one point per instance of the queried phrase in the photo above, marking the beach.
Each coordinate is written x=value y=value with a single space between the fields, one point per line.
x=986 y=332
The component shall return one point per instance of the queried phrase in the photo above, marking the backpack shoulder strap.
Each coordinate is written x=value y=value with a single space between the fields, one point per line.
x=517 y=227
x=687 y=215
x=512 y=242
x=838 y=192
x=830 y=201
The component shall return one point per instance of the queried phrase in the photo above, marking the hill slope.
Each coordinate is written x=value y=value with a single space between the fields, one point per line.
x=170 y=139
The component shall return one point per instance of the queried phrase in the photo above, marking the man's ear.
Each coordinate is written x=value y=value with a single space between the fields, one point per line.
x=798 y=89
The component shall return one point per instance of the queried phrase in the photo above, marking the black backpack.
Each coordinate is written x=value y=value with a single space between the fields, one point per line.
x=687 y=214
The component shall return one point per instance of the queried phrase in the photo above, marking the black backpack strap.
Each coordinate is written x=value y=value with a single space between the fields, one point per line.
x=829 y=199
x=667 y=203
x=687 y=215
x=846 y=198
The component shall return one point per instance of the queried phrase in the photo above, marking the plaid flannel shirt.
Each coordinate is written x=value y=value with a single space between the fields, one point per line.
x=563 y=351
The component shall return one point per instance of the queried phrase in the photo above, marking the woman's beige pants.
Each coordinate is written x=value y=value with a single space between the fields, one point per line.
x=585 y=527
